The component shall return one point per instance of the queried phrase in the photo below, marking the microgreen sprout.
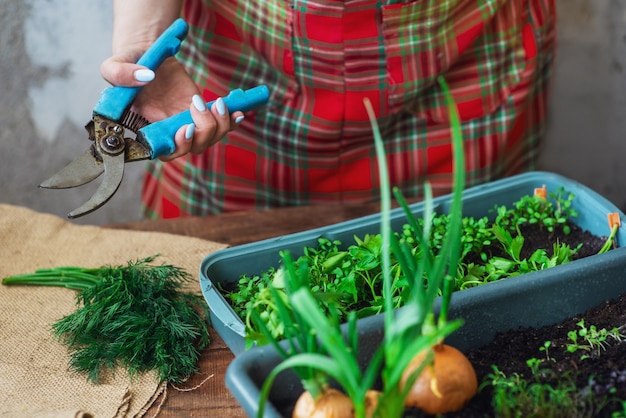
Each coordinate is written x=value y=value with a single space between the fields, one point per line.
x=533 y=209
x=546 y=349
x=542 y=392
x=589 y=338
x=517 y=396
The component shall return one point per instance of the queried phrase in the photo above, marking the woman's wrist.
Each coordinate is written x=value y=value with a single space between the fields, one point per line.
x=137 y=23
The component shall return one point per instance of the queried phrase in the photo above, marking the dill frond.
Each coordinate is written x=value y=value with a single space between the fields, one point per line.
x=137 y=317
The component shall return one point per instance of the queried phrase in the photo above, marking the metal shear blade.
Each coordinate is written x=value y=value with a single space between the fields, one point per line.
x=107 y=154
x=81 y=171
x=113 y=174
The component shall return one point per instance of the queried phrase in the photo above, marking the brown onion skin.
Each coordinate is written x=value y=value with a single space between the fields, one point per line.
x=444 y=386
x=332 y=404
x=371 y=402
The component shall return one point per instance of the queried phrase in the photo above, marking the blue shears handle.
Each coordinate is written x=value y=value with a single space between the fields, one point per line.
x=158 y=137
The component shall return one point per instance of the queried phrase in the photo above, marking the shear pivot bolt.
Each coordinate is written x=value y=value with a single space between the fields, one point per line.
x=113 y=141
x=112 y=145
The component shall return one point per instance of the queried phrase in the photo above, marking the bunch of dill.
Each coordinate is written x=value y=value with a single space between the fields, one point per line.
x=136 y=316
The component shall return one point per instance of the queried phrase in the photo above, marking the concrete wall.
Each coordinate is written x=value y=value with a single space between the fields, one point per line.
x=50 y=52
x=586 y=140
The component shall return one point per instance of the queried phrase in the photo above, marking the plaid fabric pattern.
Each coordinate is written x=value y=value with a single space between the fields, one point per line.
x=313 y=144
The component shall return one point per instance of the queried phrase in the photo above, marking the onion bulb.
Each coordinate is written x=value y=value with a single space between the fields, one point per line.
x=445 y=385
x=331 y=404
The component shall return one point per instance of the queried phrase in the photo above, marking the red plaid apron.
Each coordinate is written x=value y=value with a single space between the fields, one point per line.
x=312 y=144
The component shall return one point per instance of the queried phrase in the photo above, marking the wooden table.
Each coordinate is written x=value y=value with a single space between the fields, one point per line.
x=211 y=398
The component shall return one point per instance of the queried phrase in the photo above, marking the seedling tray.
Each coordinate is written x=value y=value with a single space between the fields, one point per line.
x=223 y=269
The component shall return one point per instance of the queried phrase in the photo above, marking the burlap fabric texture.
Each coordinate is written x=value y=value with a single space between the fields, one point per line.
x=34 y=377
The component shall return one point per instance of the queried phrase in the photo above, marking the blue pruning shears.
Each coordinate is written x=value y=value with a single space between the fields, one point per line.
x=110 y=150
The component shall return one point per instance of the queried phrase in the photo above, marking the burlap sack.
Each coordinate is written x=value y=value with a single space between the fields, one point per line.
x=34 y=377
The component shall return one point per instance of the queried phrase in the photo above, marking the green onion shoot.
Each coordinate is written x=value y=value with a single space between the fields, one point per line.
x=412 y=357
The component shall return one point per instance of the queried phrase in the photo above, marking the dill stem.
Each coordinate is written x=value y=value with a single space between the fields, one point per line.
x=68 y=277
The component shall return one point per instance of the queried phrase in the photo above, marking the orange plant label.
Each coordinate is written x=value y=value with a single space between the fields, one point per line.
x=614 y=220
x=541 y=192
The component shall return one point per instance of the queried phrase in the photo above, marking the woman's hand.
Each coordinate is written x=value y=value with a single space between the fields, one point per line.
x=168 y=91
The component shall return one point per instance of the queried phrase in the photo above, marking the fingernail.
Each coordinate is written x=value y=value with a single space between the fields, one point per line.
x=219 y=105
x=189 y=131
x=144 y=75
x=198 y=103
x=238 y=119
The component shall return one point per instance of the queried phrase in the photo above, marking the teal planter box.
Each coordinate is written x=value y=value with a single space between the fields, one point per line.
x=225 y=267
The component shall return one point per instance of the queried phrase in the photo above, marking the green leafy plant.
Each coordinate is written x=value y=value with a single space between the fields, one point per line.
x=501 y=267
x=136 y=316
x=534 y=209
x=589 y=338
x=316 y=349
